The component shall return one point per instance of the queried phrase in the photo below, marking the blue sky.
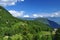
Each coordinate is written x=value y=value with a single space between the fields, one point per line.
x=32 y=8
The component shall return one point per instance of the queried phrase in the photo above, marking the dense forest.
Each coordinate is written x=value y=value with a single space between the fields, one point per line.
x=12 y=28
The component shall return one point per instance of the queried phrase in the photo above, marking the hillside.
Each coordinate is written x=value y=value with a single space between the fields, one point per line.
x=12 y=28
x=43 y=20
x=51 y=22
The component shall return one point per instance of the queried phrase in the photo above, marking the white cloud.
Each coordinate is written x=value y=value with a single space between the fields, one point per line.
x=17 y=13
x=54 y=14
x=9 y=2
x=22 y=14
x=26 y=16
x=22 y=0
x=41 y=16
x=35 y=15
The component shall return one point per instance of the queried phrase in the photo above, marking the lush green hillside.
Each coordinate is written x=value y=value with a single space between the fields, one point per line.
x=6 y=19
x=12 y=28
x=43 y=20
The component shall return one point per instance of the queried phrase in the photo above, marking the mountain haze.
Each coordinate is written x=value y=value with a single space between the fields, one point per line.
x=56 y=19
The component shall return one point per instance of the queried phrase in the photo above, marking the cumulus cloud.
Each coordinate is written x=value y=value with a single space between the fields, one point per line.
x=9 y=2
x=22 y=0
x=35 y=15
x=54 y=14
x=22 y=14
x=26 y=16
x=16 y=13
x=38 y=15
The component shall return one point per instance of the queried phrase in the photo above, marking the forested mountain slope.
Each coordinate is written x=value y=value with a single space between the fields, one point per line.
x=12 y=28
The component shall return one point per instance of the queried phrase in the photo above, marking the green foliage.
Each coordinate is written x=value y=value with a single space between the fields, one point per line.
x=12 y=28
x=57 y=35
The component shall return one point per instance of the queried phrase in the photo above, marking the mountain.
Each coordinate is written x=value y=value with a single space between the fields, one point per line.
x=12 y=28
x=6 y=22
x=27 y=18
x=56 y=19
x=43 y=20
x=53 y=22
x=6 y=19
x=39 y=19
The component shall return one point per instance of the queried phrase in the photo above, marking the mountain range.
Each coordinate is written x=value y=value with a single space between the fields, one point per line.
x=12 y=28
x=56 y=19
x=54 y=22
x=26 y=28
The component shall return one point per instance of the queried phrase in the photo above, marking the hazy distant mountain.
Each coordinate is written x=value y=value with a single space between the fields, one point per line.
x=53 y=22
x=56 y=19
